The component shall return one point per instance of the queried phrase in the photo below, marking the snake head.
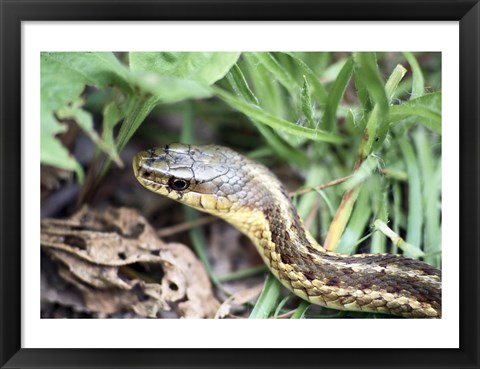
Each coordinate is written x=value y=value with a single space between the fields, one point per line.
x=199 y=176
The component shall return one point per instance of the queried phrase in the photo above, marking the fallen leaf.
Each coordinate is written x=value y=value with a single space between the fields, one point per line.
x=118 y=263
x=238 y=299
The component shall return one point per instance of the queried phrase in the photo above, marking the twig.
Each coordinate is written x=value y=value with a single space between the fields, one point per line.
x=319 y=187
x=169 y=231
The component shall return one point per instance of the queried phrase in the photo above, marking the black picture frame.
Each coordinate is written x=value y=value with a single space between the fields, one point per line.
x=12 y=355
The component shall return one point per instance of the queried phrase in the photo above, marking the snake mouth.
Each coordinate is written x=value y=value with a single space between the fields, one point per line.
x=139 y=164
x=144 y=171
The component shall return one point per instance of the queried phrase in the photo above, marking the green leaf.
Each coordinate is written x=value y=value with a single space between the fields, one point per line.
x=335 y=94
x=173 y=76
x=278 y=71
x=167 y=89
x=63 y=79
x=366 y=70
x=318 y=90
x=307 y=103
x=408 y=249
x=267 y=300
x=415 y=204
x=418 y=84
x=112 y=114
x=239 y=84
x=85 y=122
x=429 y=163
x=364 y=172
x=301 y=310
x=255 y=112
x=331 y=73
x=378 y=194
x=80 y=69
x=356 y=225
x=52 y=152
x=203 y=67
x=394 y=80
x=426 y=110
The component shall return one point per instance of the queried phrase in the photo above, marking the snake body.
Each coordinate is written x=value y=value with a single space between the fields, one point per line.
x=220 y=181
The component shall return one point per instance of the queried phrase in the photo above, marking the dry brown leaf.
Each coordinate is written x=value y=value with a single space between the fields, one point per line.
x=116 y=260
x=237 y=299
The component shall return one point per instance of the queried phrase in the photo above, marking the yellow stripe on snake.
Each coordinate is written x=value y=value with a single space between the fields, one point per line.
x=219 y=181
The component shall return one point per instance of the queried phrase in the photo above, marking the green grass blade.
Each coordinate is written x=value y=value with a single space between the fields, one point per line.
x=394 y=80
x=268 y=298
x=255 y=112
x=280 y=73
x=307 y=103
x=397 y=212
x=335 y=94
x=429 y=117
x=356 y=225
x=239 y=84
x=318 y=89
x=366 y=70
x=418 y=84
x=378 y=195
x=407 y=248
x=415 y=204
x=431 y=196
x=301 y=310
x=269 y=92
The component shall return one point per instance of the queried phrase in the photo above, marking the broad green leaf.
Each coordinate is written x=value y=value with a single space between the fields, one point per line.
x=176 y=76
x=203 y=67
x=52 y=152
x=167 y=89
x=85 y=122
x=80 y=69
x=63 y=79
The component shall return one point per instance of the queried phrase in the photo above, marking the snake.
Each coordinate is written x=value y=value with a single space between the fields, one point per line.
x=219 y=181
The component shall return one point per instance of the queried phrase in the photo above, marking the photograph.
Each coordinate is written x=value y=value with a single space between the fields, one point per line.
x=241 y=185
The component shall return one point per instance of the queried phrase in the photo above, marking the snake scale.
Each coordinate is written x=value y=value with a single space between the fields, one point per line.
x=222 y=182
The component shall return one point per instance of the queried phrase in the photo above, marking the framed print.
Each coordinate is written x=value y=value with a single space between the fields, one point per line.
x=324 y=156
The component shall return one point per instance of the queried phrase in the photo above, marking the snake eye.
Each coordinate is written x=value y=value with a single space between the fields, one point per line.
x=178 y=184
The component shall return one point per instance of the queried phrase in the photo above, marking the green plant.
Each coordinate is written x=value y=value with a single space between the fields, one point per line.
x=327 y=115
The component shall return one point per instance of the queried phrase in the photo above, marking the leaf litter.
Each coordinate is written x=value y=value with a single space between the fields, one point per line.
x=117 y=262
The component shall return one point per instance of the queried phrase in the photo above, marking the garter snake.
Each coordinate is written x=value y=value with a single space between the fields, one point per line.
x=219 y=181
